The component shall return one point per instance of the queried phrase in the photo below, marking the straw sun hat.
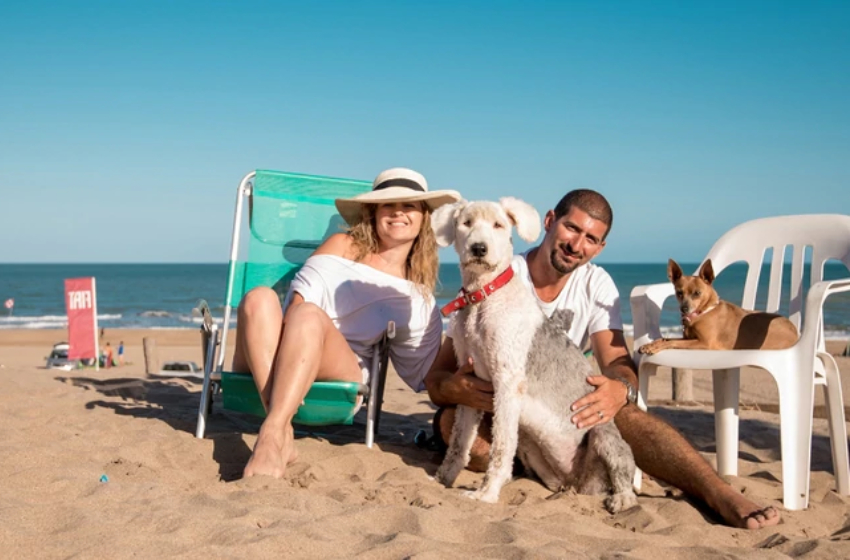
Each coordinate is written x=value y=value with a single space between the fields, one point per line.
x=395 y=185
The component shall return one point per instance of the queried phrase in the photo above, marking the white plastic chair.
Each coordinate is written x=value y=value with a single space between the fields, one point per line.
x=796 y=370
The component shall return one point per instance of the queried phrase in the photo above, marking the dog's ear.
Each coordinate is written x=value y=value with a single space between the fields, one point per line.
x=523 y=216
x=674 y=271
x=443 y=222
x=706 y=272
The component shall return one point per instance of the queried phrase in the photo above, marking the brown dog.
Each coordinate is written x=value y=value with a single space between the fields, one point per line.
x=711 y=324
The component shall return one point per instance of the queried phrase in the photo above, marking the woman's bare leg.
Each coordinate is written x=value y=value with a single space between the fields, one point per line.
x=258 y=333
x=311 y=348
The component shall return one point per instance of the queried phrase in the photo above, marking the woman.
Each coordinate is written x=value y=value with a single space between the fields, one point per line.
x=384 y=268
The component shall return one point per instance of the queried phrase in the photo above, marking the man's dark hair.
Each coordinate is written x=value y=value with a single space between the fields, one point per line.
x=589 y=201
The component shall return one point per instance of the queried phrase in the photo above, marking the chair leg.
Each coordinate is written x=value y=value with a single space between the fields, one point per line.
x=370 y=423
x=203 y=409
x=644 y=373
x=837 y=426
x=377 y=380
x=370 y=415
x=726 y=389
x=796 y=402
x=382 y=381
x=373 y=401
x=211 y=340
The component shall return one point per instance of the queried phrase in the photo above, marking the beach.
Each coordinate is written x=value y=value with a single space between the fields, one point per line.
x=105 y=464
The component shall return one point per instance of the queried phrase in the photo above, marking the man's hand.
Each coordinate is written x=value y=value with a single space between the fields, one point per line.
x=449 y=383
x=463 y=387
x=608 y=398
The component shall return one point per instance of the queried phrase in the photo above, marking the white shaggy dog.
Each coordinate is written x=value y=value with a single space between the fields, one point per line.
x=536 y=371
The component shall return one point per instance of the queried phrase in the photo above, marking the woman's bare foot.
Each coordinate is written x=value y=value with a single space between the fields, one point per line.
x=739 y=511
x=273 y=452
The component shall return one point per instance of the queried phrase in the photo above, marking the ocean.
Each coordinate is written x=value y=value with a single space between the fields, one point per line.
x=145 y=296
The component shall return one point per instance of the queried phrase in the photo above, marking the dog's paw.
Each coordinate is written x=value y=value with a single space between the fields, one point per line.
x=618 y=502
x=649 y=349
x=444 y=477
x=487 y=497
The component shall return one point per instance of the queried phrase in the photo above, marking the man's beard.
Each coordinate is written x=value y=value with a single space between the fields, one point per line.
x=561 y=266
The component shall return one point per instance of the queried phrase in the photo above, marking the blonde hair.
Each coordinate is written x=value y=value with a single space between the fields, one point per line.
x=422 y=262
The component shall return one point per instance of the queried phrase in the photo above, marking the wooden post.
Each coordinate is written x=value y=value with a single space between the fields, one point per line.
x=151 y=359
x=683 y=385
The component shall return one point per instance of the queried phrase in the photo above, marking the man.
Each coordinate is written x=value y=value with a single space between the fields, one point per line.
x=561 y=275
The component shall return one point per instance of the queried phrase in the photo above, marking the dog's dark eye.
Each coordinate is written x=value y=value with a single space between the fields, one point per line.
x=467 y=223
x=697 y=293
x=679 y=293
x=497 y=225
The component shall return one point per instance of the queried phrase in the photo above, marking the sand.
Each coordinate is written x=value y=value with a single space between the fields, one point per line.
x=105 y=464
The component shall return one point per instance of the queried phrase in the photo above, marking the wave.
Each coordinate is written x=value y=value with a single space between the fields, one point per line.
x=155 y=313
x=26 y=318
x=829 y=334
x=35 y=325
x=198 y=320
x=46 y=321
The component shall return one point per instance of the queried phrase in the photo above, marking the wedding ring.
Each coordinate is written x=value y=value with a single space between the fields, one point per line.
x=601 y=416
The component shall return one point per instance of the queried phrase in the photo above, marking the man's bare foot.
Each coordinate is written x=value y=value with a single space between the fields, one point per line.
x=273 y=452
x=764 y=517
x=739 y=511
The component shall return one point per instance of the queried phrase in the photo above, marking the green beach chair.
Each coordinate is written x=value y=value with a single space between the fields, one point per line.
x=289 y=215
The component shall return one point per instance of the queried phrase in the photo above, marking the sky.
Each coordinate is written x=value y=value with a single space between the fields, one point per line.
x=125 y=127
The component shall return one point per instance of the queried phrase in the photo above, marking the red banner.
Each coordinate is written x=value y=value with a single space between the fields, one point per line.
x=81 y=304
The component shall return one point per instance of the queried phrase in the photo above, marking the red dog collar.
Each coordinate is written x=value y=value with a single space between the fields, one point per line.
x=465 y=299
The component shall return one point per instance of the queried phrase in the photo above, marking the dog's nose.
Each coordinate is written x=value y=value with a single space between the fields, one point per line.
x=684 y=308
x=479 y=249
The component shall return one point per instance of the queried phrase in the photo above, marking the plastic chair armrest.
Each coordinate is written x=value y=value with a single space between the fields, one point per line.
x=813 y=320
x=647 y=302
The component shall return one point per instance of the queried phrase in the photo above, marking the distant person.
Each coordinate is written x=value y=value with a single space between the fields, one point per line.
x=121 y=353
x=107 y=356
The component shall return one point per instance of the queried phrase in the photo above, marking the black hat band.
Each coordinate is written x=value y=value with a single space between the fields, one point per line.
x=406 y=183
